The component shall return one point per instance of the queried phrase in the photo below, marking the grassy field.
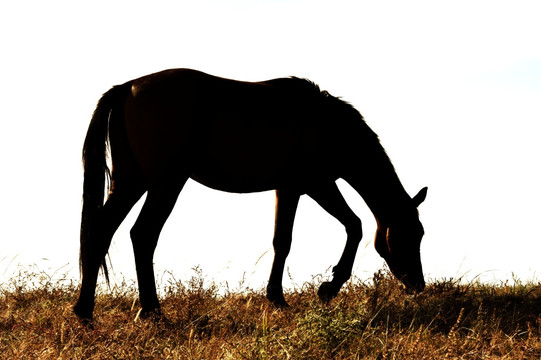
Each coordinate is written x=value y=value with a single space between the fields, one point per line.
x=369 y=320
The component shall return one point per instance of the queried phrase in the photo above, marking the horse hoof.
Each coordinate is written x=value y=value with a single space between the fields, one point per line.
x=276 y=297
x=85 y=318
x=327 y=291
x=86 y=323
x=154 y=315
x=280 y=303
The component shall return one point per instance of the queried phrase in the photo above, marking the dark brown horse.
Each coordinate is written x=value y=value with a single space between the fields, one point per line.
x=282 y=134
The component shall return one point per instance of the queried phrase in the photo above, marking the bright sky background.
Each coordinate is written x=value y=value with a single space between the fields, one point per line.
x=452 y=88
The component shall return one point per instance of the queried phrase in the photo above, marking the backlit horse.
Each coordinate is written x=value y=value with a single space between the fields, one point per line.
x=283 y=134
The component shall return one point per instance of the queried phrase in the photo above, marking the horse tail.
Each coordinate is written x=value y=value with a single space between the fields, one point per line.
x=97 y=175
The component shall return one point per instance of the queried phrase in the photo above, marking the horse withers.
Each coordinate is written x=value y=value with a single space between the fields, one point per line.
x=283 y=134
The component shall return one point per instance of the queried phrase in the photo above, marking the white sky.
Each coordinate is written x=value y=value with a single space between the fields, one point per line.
x=452 y=88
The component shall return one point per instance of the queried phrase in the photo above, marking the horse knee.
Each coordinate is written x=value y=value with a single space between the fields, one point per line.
x=354 y=229
x=143 y=240
x=282 y=245
x=135 y=235
x=94 y=245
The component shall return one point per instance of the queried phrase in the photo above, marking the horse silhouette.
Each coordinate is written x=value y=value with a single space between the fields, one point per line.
x=282 y=134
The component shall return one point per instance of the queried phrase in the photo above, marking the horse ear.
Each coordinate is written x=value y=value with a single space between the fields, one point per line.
x=420 y=197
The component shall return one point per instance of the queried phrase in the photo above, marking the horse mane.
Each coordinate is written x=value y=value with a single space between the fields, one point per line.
x=332 y=103
x=333 y=108
x=337 y=108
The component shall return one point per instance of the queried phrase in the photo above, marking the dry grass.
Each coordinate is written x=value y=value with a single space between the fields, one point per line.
x=368 y=320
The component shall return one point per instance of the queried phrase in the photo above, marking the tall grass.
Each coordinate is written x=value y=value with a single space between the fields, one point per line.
x=368 y=320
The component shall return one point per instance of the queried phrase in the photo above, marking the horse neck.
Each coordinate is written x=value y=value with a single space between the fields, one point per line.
x=377 y=182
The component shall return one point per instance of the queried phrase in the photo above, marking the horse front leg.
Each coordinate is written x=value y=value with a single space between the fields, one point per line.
x=144 y=235
x=286 y=207
x=329 y=198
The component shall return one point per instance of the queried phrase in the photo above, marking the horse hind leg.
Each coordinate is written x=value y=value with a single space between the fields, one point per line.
x=330 y=199
x=286 y=207
x=109 y=218
x=144 y=235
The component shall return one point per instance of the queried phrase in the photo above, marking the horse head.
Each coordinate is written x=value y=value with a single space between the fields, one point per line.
x=399 y=243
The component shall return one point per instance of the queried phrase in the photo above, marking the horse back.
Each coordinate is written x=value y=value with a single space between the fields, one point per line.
x=230 y=135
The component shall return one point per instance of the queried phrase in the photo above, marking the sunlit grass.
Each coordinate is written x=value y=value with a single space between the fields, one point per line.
x=368 y=320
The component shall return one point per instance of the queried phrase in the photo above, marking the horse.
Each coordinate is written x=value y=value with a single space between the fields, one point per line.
x=283 y=134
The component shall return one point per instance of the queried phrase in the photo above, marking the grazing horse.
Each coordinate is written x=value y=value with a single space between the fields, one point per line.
x=283 y=134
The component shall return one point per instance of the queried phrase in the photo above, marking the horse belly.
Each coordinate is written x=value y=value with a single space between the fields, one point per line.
x=244 y=156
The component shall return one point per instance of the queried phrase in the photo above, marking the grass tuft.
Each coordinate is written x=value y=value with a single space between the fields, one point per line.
x=368 y=320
